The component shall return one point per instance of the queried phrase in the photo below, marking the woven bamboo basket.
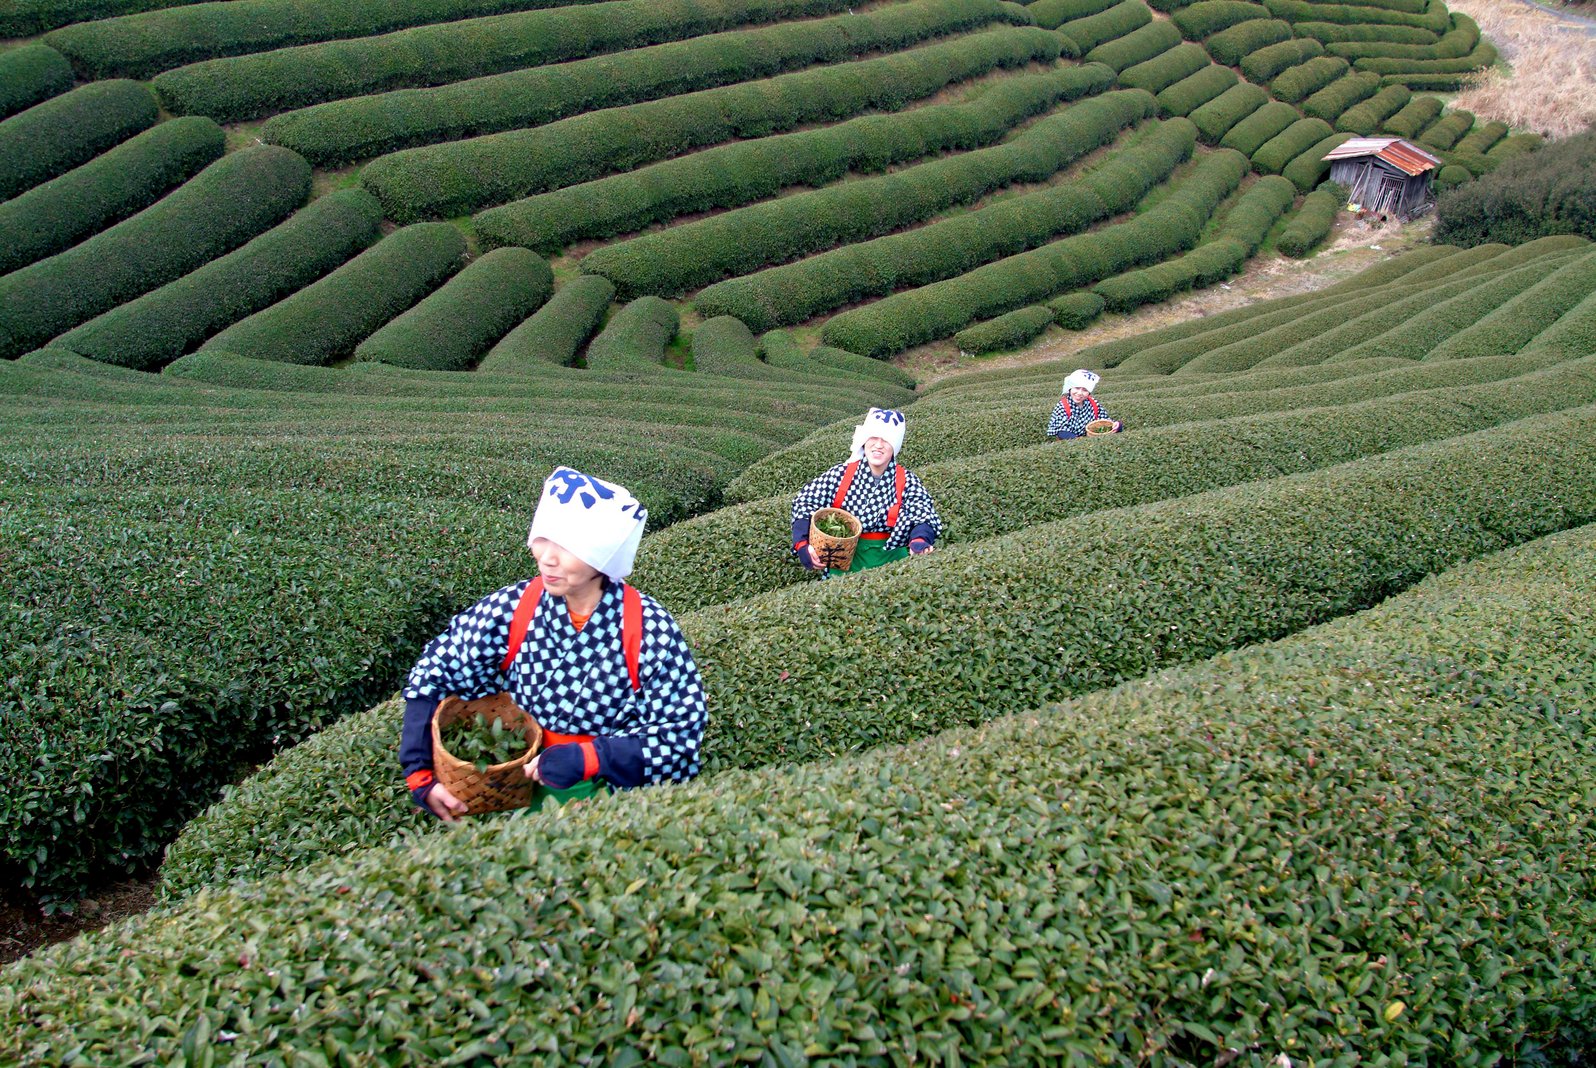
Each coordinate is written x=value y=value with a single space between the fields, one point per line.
x=1099 y=426
x=501 y=786
x=834 y=553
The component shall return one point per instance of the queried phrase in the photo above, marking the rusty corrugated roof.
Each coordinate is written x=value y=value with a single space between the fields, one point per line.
x=1405 y=155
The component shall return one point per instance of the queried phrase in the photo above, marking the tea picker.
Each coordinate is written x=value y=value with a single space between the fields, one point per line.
x=886 y=506
x=1079 y=414
x=602 y=669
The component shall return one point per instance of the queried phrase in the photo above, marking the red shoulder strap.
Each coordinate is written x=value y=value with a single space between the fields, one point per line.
x=525 y=609
x=631 y=627
x=847 y=483
x=902 y=480
x=1065 y=400
x=1096 y=411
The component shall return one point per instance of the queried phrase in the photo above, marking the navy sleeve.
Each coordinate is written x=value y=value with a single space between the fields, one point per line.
x=415 y=742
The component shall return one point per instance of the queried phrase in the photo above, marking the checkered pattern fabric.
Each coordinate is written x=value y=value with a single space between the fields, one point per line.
x=577 y=683
x=1073 y=418
x=870 y=498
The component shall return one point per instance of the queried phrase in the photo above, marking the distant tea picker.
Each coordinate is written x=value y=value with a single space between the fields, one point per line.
x=1077 y=412
x=601 y=668
x=894 y=515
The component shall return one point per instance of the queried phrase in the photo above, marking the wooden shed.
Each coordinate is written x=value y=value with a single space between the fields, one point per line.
x=1383 y=175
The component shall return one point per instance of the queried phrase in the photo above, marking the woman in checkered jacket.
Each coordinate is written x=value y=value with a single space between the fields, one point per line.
x=602 y=668
x=898 y=516
x=1077 y=407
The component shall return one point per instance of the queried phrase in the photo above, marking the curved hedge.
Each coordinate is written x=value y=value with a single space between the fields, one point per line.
x=368 y=126
x=737 y=173
x=1215 y=118
x=725 y=346
x=31 y=74
x=1515 y=145
x=1249 y=135
x=1483 y=56
x=1460 y=40
x=1310 y=167
x=51 y=138
x=1262 y=65
x=1138 y=46
x=682 y=258
x=462 y=176
x=1286 y=146
x=459 y=322
x=938 y=310
x=1162 y=71
x=1302 y=81
x=1116 y=21
x=635 y=336
x=1190 y=93
x=1231 y=46
x=842 y=359
x=1312 y=222
x=1418 y=113
x=1051 y=14
x=1076 y=311
x=1365 y=118
x=1481 y=138
x=162 y=325
x=796 y=291
x=1435 y=18
x=1446 y=131
x=1333 y=100
x=226 y=204
x=247 y=87
x=556 y=331
x=52 y=217
x=1329 y=33
x=1208 y=17
x=1451 y=176
x=1512 y=325
x=1008 y=331
x=21 y=18
x=326 y=320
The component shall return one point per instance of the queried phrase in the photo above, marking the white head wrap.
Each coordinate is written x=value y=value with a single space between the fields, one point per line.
x=598 y=522
x=883 y=423
x=1087 y=380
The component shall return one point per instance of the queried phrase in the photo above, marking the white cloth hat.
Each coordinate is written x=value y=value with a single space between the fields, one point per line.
x=883 y=423
x=598 y=522
x=1087 y=380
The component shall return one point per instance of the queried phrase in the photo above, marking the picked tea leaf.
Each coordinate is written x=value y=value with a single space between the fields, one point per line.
x=482 y=740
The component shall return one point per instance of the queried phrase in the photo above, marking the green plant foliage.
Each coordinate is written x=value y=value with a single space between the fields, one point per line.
x=452 y=328
x=1455 y=43
x=797 y=291
x=1162 y=71
x=155 y=329
x=1329 y=33
x=1332 y=101
x=844 y=360
x=1215 y=118
x=30 y=74
x=635 y=336
x=1572 y=335
x=1513 y=146
x=68 y=130
x=1298 y=83
x=482 y=741
x=1208 y=17
x=1076 y=311
x=231 y=201
x=1418 y=113
x=558 y=330
x=1434 y=17
x=25 y=17
x=942 y=308
x=1446 y=132
x=366 y=126
x=52 y=217
x=1310 y=167
x=743 y=171
x=462 y=176
x=1116 y=21
x=1250 y=134
x=1451 y=176
x=1547 y=192
x=1137 y=46
x=1313 y=221
x=236 y=88
x=1265 y=63
x=326 y=320
x=1190 y=93
x=1009 y=331
x=1481 y=138
x=1365 y=118
x=1483 y=55
x=1286 y=146
x=1511 y=326
x=682 y=258
x=1231 y=46
x=725 y=346
x=1051 y=14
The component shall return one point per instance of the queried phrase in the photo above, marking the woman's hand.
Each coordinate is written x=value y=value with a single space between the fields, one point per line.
x=444 y=805
x=919 y=547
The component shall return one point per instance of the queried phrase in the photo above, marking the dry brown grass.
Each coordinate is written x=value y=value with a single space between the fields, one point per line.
x=1552 y=87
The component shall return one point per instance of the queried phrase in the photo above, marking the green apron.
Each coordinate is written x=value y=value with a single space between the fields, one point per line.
x=869 y=553
x=593 y=787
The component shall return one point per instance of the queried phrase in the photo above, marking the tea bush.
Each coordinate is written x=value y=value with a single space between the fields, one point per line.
x=844 y=360
x=1162 y=71
x=1417 y=114
x=1231 y=46
x=1051 y=14
x=1413 y=70
x=1190 y=93
x=462 y=176
x=1249 y=135
x=1311 y=167
x=1511 y=325
x=635 y=336
x=777 y=296
x=326 y=320
x=163 y=324
x=1265 y=63
x=1481 y=138
x=1208 y=17
x=238 y=88
x=1446 y=132
x=1287 y=145
x=53 y=217
x=1116 y=21
x=1313 y=221
x=226 y=204
x=1215 y=118
x=1335 y=99
x=1458 y=41
x=1548 y=192
x=24 y=17
x=1006 y=331
x=1513 y=146
x=1365 y=118
x=450 y=329
x=725 y=346
x=682 y=258
x=30 y=74
x=729 y=175
x=1076 y=311
x=1434 y=18
x=1302 y=81
x=557 y=331
x=65 y=131
x=1135 y=47
x=367 y=126
x=1328 y=33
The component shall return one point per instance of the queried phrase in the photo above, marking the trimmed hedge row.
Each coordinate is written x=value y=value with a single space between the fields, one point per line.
x=1435 y=17
x=226 y=204
x=144 y=44
x=31 y=74
x=1512 y=325
x=1418 y=113
x=1138 y=46
x=938 y=310
x=635 y=336
x=162 y=325
x=450 y=329
x=1231 y=46
x=725 y=346
x=1515 y=145
x=1365 y=118
x=247 y=87
x=1250 y=134
x=1329 y=33
x=51 y=138
x=1051 y=14
x=1479 y=140
x=1262 y=65
x=1445 y=132
x=1311 y=167
x=1008 y=331
x=326 y=320
x=1451 y=176
x=558 y=330
x=1076 y=311
x=1483 y=56
x=52 y=217
x=682 y=258
x=1286 y=146
x=1208 y=17
x=1117 y=21
x=1215 y=118
x=368 y=126
x=1302 y=81
x=1333 y=100
x=22 y=18
x=797 y=291
x=1571 y=336
x=1456 y=42
x=1162 y=71
x=842 y=359
x=1313 y=221
x=740 y=172
x=1190 y=93
x=462 y=176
